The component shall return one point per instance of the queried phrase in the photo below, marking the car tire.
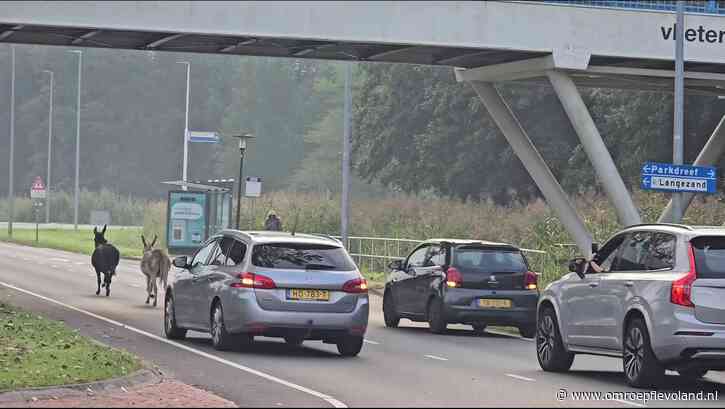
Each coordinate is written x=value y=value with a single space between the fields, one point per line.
x=350 y=345
x=221 y=340
x=692 y=374
x=641 y=367
x=550 y=351
x=436 y=320
x=390 y=315
x=527 y=331
x=171 y=330
x=294 y=340
x=479 y=328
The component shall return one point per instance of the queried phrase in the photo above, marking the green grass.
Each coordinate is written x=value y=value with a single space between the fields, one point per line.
x=127 y=240
x=37 y=352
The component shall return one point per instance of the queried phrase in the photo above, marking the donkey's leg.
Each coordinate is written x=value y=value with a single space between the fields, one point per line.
x=148 y=289
x=109 y=275
x=156 y=291
x=98 y=276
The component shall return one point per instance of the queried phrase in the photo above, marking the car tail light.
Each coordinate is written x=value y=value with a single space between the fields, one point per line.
x=251 y=280
x=531 y=280
x=356 y=286
x=681 y=291
x=454 y=279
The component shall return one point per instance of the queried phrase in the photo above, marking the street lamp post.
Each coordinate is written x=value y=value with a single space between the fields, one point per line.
x=76 y=195
x=678 y=204
x=50 y=144
x=184 y=174
x=11 y=193
x=242 y=149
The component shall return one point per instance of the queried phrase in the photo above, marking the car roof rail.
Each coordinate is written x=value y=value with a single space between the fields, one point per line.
x=679 y=226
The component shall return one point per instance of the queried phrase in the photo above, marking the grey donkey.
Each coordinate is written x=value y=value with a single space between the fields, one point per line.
x=155 y=265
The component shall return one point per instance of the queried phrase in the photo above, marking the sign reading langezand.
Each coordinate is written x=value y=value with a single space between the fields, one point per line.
x=679 y=178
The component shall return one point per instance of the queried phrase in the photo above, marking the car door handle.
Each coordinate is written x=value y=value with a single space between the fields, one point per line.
x=629 y=284
x=594 y=285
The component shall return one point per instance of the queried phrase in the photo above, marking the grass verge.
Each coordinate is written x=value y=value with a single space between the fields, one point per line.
x=127 y=240
x=37 y=352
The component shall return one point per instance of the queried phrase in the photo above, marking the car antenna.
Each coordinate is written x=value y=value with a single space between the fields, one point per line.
x=297 y=219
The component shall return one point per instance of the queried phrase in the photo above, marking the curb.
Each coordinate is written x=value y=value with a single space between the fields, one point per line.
x=140 y=377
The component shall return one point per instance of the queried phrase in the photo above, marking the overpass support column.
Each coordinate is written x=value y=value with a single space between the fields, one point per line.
x=709 y=155
x=516 y=136
x=592 y=142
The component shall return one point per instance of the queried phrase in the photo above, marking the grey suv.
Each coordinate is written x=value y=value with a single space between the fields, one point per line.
x=242 y=284
x=657 y=302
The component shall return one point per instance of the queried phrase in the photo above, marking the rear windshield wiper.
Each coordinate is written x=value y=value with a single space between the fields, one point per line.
x=319 y=267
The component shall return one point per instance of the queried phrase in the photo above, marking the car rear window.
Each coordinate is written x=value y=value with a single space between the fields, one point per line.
x=298 y=256
x=489 y=260
x=709 y=256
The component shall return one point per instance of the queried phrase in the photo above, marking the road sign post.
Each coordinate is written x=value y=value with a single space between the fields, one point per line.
x=38 y=194
x=667 y=177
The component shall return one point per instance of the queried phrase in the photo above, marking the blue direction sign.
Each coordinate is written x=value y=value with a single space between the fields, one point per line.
x=679 y=178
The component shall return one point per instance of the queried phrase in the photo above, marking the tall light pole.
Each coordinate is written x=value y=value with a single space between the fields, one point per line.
x=346 y=147
x=184 y=175
x=677 y=137
x=76 y=196
x=242 y=149
x=11 y=193
x=50 y=145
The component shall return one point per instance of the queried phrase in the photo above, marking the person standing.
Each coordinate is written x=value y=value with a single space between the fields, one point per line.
x=273 y=223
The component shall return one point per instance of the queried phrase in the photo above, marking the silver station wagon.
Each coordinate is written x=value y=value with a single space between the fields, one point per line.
x=273 y=284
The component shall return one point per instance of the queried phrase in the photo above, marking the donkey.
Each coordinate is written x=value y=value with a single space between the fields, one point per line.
x=104 y=259
x=155 y=264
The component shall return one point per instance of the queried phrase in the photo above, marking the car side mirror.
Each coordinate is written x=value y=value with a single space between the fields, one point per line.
x=577 y=265
x=181 y=262
x=395 y=265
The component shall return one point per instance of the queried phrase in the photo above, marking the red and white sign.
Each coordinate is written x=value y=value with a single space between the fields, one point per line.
x=37 y=191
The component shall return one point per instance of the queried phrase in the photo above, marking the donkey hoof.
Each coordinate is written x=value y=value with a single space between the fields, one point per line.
x=98 y=292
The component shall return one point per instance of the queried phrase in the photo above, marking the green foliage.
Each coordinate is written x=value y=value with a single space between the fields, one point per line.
x=36 y=352
x=126 y=239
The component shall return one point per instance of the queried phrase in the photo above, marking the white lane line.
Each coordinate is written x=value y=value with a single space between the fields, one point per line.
x=79 y=263
x=367 y=341
x=521 y=378
x=626 y=402
x=437 y=358
x=329 y=399
x=62 y=260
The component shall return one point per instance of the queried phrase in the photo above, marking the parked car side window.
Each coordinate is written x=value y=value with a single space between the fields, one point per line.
x=606 y=256
x=633 y=254
x=237 y=253
x=202 y=255
x=219 y=257
x=417 y=258
x=436 y=256
x=661 y=254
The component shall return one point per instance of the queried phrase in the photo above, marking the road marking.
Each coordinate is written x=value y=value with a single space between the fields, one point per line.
x=367 y=341
x=508 y=334
x=437 y=358
x=79 y=263
x=62 y=260
x=626 y=402
x=519 y=377
x=329 y=399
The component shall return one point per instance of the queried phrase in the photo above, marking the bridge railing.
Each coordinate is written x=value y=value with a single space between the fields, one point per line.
x=700 y=6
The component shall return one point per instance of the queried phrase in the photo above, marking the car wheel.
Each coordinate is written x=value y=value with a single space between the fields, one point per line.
x=436 y=321
x=550 y=351
x=641 y=367
x=350 y=345
x=170 y=329
x=221 y=340
x=389 y=313
x=527 y=331
x=479 y=328
x=294 y=340
x=696 y=373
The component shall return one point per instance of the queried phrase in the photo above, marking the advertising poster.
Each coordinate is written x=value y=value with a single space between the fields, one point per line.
x=187 y=224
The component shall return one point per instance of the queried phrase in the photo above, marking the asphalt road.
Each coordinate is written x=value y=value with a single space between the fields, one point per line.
x=397 y=367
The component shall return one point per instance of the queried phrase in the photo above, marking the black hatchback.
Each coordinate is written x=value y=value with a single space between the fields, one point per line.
x=470 y=282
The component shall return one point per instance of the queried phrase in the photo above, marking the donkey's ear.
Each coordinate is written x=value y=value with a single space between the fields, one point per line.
x=143 y=240
x=154 y=242
x=95 y=230
x=104 y=229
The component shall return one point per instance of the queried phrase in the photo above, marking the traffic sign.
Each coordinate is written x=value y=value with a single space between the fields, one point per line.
x=37 y=190
x=667 y=177
x=253 y=187
x=203 y=137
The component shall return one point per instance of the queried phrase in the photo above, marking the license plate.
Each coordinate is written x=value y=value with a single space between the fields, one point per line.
x=493 y=303
x=304 y=294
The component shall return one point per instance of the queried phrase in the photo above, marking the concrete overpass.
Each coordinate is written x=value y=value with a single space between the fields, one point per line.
x=535 y=43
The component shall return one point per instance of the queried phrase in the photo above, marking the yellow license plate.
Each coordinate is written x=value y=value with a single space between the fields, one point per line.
x=491 y=303
x=308 y=295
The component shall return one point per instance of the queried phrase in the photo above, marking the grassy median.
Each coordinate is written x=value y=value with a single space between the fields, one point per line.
x=127 y=239
x=37 y=352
